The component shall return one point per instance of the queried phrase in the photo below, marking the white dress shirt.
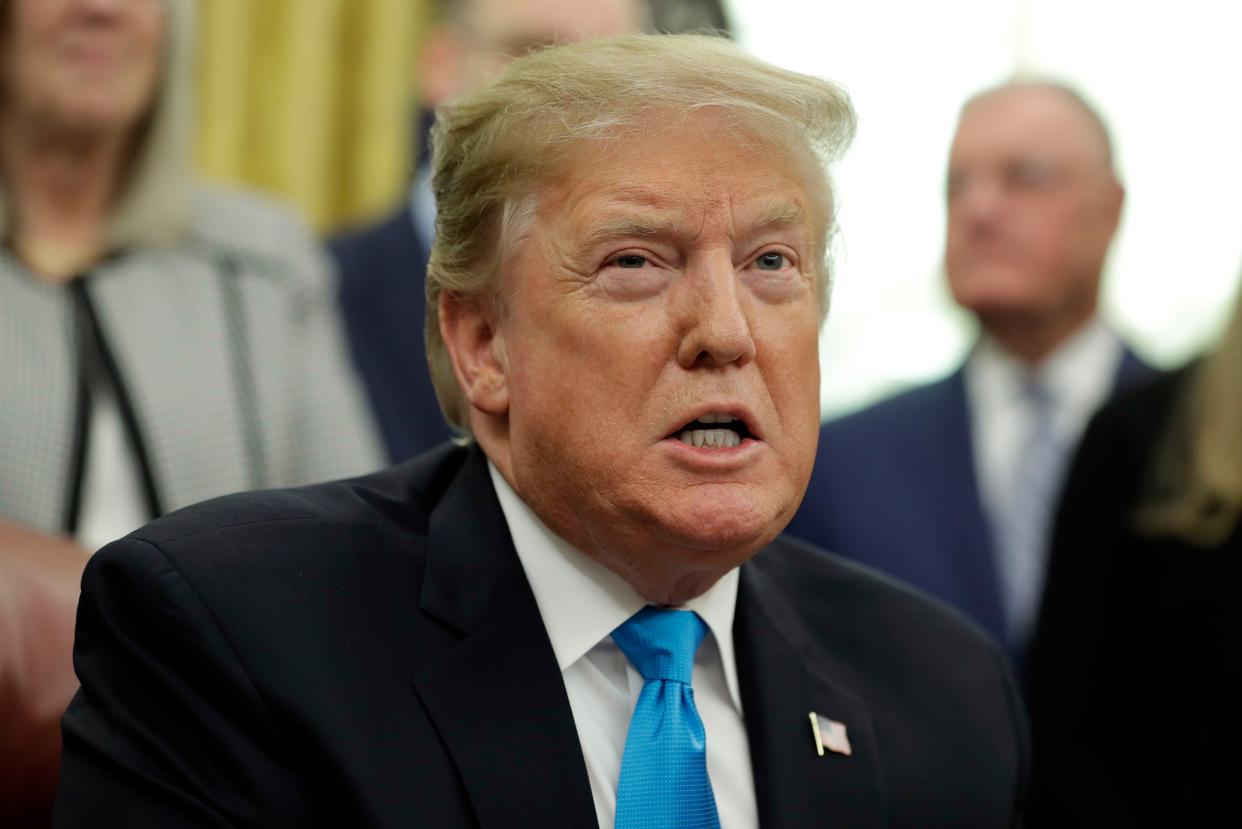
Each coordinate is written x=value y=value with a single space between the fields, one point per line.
x=113 y=504
x=1079 y=375
x=581 y=603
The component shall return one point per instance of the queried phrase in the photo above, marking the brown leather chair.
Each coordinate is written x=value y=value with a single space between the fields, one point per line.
x=39 y=584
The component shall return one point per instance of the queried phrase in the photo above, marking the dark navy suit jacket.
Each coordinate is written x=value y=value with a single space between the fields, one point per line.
x=383 y=273
x=894 y=487
x=369 y=653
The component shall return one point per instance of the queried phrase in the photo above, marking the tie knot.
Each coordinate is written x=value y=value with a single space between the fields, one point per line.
x=661 y=643
x=1038 y=393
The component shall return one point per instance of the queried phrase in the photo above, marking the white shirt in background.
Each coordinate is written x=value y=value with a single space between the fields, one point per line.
x=1079 y=375
x=113 y=504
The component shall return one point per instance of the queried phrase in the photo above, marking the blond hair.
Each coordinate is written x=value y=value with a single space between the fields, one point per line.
x=494 y=147
x=154 y=206
x=1195 y=492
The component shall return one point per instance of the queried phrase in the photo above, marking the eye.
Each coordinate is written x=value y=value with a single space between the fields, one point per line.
x=771 y=261
x=1029 y=174
x=629 y=260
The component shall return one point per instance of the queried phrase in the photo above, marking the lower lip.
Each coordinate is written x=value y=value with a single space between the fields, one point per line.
x=714 y=458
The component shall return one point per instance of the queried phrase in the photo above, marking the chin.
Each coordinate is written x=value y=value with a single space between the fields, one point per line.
x=723 y=523
x=102 y=111
x=999 y=291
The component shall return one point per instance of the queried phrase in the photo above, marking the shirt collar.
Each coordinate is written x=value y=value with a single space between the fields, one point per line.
x=1077 y=373
x=422 y=206
x=582 y=602
x=1080 y=373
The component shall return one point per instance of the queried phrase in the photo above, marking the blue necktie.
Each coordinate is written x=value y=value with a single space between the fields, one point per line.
x=664 y=782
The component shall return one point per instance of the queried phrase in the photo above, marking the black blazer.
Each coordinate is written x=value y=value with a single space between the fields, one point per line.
x=383 y=274
x=369 y=653
x=1134 y=686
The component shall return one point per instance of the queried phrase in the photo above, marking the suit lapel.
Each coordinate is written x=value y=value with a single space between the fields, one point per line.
x=781 y=686
x=973 y=558
x=1131 y=371
x=497 y=697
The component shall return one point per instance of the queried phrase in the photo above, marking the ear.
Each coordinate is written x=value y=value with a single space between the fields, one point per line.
x=477 y=351
x=1115 y=202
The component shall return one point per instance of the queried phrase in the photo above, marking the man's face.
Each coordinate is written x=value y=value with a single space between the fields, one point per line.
x=82 y=64
x=492 y=33
x=668 y=281
x=1032 y=207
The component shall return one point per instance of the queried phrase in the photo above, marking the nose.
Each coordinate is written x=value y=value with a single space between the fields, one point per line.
x=102 y=6
x=717 y=330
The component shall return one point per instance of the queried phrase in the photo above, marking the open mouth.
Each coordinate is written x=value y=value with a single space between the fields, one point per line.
x=713 y=431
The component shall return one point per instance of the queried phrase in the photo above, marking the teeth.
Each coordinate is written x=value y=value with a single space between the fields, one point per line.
x=710 y=438
x=712 y=417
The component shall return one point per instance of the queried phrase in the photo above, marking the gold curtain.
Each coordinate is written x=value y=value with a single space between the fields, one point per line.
x=310 y=100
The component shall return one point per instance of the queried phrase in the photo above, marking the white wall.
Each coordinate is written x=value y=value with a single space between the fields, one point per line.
x=1165 y=75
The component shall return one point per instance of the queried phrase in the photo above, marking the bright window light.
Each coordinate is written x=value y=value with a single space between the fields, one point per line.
x=1163 y=74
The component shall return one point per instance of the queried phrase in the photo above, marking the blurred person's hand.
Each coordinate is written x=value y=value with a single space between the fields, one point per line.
x=39 y=582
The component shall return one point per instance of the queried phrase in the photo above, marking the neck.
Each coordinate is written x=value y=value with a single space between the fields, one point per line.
x=1032 y=338
x=60 y=188
x=681 y=575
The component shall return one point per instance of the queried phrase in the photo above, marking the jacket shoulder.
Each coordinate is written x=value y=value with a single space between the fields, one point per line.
x=258 y=231
x=845 y=599
x=900 y=411
x=399 y=499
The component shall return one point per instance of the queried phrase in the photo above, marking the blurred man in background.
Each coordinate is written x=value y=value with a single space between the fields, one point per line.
x=950 y=486
x=383 y=266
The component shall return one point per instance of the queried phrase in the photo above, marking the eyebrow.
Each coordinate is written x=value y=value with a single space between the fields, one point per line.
x=775 y=214
x=621 y=226
x=779 y=213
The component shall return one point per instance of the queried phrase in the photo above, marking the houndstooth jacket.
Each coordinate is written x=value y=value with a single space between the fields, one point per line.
x=230 y=370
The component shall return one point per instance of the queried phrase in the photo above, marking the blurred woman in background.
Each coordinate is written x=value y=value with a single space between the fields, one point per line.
x=160 y=342
x=1134 y=683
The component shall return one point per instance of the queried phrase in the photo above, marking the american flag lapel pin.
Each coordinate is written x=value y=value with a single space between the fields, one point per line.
x=831 y=735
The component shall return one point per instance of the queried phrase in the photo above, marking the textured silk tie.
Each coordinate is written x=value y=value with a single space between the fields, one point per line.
x=664 y=782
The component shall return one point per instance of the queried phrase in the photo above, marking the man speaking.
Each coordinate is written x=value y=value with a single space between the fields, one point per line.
x=583 y=616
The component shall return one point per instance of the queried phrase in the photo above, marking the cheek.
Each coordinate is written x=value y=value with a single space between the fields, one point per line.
x=29 y=59
x=582 y=372
x=1057 y=227
x=788 y=352
x=791 y=340
x=144 y=64
x=151 y=43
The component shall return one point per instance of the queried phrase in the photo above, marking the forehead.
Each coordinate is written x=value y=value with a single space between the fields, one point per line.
x=1027 y=122
x=551 y=21
x=685 y=173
